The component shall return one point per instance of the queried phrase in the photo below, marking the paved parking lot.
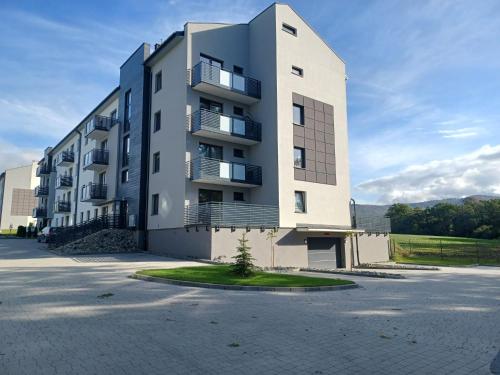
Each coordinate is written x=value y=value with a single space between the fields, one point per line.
x=52 y=322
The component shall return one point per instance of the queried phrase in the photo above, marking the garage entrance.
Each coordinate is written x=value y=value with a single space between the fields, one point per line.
x=324 y=252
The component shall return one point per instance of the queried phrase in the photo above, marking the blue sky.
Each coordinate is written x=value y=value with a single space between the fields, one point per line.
x=423 y=88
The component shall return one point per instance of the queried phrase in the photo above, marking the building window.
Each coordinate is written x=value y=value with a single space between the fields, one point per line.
x=238 y=111
x=157 y=121
x=238 y=153
x=238 y=196
x=156 y=162
x=289 y=29
x=300 y=201
x=297 y=71
x=298 y=114
x=125 y=176
x=158 y=80
x=299 y=160
x=211 y=60
x=128 y=110
x=237 y=70
x=126 y=150
x=113 y=114
x=155 y=203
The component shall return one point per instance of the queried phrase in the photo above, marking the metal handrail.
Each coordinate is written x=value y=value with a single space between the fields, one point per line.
x=62 y=206
x=41 y=191
x=96 y=156
x=216 y=169
x=64 y=181
x=95 y=191
x=229 y=214
x=205 y=72
x=99 y=122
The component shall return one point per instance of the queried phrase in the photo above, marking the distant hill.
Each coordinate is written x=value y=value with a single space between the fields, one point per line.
x=368 y=210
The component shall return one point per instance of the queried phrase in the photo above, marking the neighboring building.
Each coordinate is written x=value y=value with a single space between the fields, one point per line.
x=222 y=130
x=16 y=196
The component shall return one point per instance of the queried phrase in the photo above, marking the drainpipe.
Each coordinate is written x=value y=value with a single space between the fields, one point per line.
x=77 y=176
x=355 y=225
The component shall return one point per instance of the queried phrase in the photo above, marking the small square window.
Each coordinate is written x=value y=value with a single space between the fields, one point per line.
x=297 y=71
x=237 y=69
x=157 y=121
x=125 y=176
x=158 y=81
x=155 y=204
x=238 y=196
x=289 y=29
x=238 y=111
x=238 y=153
x=300 y=202
x=298 y=114
x=156 y=162
x=299 y=160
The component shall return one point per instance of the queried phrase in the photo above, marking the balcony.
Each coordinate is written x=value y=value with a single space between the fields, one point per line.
x=41 y=191
x=221 y=172
x=96 y=160
x=39 y=212
x=64 y=182
x=98 y=127
x=65 y=158
x=215 y=125
x=62 y=207
x=43 y=170
x=229 y=214
x=95 y=193
x=213 y=80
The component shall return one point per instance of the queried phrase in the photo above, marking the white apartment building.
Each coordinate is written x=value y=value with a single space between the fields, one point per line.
x=16 y=196
x=222 y=130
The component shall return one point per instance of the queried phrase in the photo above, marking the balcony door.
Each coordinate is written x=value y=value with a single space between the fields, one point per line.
x=210 y=105
x=211 y=61
x=208 y=213
x=206 y=196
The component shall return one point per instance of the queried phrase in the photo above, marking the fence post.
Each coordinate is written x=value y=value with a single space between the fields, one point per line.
x=441 y=246
x=477 y=252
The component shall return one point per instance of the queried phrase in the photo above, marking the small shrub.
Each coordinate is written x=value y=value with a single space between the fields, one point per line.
x=243 y=265
x=21 y=231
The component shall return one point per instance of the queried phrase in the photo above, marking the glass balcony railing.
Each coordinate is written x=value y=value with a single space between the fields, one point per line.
x=220 y=126
x=96 y=159
x=99 y=126
x=64 y=182
x=223 y=172
x=214 y=80
x=230 y=214
x=65 y=158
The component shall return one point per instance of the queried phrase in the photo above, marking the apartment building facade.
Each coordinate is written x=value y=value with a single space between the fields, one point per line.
x=223 y=130
x=16 y=196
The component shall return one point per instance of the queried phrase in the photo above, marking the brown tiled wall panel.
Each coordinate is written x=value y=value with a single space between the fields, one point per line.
x=317 y=137
x=23 y=202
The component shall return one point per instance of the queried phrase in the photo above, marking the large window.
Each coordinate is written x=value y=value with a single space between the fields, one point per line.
x=126 y=150
x=128 y=110
x=157 y=121
x=298 y=114
x=299 y=157
x=211 y=60
x=210 y=151
x=155 y=204
x=158 y=81
x=156 y=162
x=300 y=201
x=211 y=105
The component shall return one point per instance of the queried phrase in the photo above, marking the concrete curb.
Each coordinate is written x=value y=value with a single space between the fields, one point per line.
x=243 y=288
x=382 y=275
x=398 y=266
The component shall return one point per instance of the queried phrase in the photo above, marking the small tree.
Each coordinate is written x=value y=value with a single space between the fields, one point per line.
x=243 y=265
x=21 y=231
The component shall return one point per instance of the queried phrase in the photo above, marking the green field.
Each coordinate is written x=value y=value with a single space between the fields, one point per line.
x=8 y=231
x=222 y=275
x=452 y=251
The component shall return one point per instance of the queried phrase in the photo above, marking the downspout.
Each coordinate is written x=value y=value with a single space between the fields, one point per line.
x=75 y=215
x=149 y=76
x=355 y=225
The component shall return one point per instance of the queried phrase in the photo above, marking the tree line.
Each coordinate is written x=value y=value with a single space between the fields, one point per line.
x=474 y=218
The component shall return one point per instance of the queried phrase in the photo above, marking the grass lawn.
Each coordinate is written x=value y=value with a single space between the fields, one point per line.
x=445 y=251
x=8 y=231
x=221 y=274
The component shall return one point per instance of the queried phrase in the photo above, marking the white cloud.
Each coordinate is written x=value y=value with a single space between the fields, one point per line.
x=12 y=156
x=459 y=133
x=472 y=173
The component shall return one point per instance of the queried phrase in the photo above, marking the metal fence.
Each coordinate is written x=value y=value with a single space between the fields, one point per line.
x=64 y=235
x=229 y=214
x=208 y=169
x=479 y=252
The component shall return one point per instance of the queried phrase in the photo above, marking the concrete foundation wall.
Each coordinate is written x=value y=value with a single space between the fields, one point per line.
x=178 y=242
x=372 y=248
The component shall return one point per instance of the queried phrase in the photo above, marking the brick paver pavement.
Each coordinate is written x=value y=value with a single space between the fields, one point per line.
x=52 y=322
